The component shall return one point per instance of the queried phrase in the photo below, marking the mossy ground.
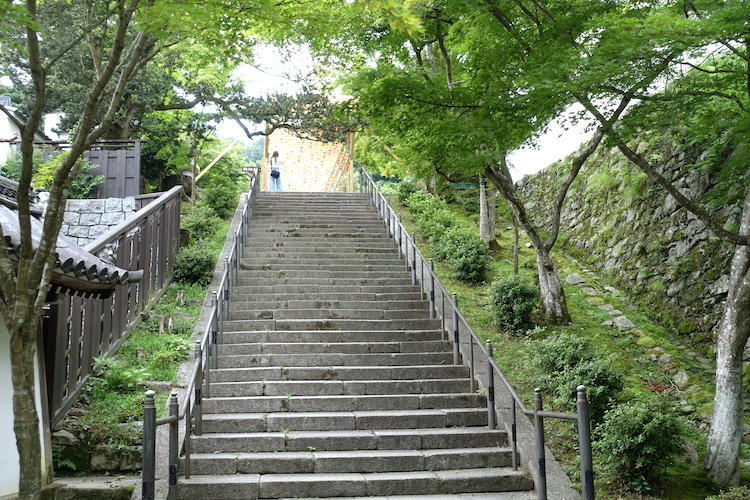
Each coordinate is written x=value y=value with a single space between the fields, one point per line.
x=686 y=480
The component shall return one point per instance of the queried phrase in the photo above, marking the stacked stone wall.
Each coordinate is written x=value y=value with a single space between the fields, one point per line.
x=617 y=222
x=86 y=220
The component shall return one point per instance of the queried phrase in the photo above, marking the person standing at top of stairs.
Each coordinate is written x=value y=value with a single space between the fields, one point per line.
x=275 y=173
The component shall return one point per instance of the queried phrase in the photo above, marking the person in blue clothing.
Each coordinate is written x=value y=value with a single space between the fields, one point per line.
x=275 y=173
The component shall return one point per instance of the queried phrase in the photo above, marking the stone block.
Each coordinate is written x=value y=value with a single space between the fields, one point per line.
x=113 y=205
x=90 y=219
x=96 y=206
x=128 y=205
x=112 y=218
x=78 y=231
x=71 y=218
x=96 y=231
x=78 y=206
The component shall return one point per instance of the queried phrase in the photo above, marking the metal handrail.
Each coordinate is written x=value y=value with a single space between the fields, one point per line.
x=429 y=283
x=199 y=383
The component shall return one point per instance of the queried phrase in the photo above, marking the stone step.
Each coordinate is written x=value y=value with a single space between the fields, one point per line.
x=343 y=420
x=313 y=216
x=368 y=402
x=328 y=313
x=385 y=305
x=330 y=336
x=316 y=292
x=239 y=297
x=337 y=387
x=331 y=324
x=381 y=439
x=323 y=462
x=344 y=245
x=499 y=495
x=293 y=265
x=361 y=274
x=234 y=486
x=319 y=252
x=339 y=373
x=388 y=359
x=225 y=349
x=358 y=261
x=304 y=233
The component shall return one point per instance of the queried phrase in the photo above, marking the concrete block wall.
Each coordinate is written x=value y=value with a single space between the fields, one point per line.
x=306 y=164
x=86 y=220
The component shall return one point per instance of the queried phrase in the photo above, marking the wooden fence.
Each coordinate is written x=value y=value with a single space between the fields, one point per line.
x=120 y=164
x=77 y=330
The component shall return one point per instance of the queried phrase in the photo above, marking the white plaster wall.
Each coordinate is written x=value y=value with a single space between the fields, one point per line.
x=8 y=453
x=9 y=467
x=7 y=131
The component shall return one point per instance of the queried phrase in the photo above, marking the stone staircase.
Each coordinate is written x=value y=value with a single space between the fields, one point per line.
x=332 y=379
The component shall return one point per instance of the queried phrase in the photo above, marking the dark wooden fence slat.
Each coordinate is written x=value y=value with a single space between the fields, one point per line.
x=84 y=329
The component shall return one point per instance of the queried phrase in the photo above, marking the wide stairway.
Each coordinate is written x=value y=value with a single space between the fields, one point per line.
x=333 y=381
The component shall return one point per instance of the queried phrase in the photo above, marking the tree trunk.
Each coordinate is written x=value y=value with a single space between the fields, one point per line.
x=725 y=436
x=550 y=288
x=26 y=419
x=515 y=243
x=487 y=212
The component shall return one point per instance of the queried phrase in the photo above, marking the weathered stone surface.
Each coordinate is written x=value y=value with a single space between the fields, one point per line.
x=681 y=379
x=112 y=218
x=96 y=231
x=113 y=205
x=607 y=307
x=590 y=291
x=90 y=219
x=71 y=218
x=574 y=279
x=623 y=323
x=64 y=437
x=78 y=231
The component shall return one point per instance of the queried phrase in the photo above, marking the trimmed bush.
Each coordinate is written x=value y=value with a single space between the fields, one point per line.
x=637 y=441
x=513 y=300
x=564 y=362
x=222 y=196
x=435 y=223
x=464 y=252
x=194 y=264
x=201 y=223
x=404 y=190
x=420 y=202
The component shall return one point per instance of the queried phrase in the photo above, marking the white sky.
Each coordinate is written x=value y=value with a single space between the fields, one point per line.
x=275 y=71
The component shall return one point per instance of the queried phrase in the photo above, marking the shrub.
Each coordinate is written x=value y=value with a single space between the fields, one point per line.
x=419 y=203
x=194 y=264
x=465 y=253
x=46 y=162
x=404 y=190
x=222 y=196
x=116 y=377
x=201 y=223
x=513 y=300
x=564 y=362
x=733 y=493
x=637 y=441
x=434 y=223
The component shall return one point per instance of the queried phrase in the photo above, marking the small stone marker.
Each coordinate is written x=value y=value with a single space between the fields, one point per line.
x=623 y=323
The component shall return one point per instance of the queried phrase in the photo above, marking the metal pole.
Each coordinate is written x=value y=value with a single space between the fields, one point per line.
x=174 y=426
x=413 y=260
x=149 y=447
x=584 y=444
x=198 y=398
x=212 y=346
x=456 y=347
x=227 y=282
x=514 y=434
x=398 y=237
x=443 y=332
x=472 y=365
x=539 y=440
x=432 y=289
x=491 y=415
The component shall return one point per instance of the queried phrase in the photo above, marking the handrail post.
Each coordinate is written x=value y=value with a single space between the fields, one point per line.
x=213 y=347
x=174 y=426
x=513 y=434
x=148 y=475
x=227 y=282
x=413 y=260
x=432 y=289
x=198 y=398
x=539 y=441
x=584 y=444
x=400 y=233
x=456 y=347
x=491 y=415
x=443 y=331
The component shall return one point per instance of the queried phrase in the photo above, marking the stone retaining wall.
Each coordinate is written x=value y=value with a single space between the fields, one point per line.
x=86 y=220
